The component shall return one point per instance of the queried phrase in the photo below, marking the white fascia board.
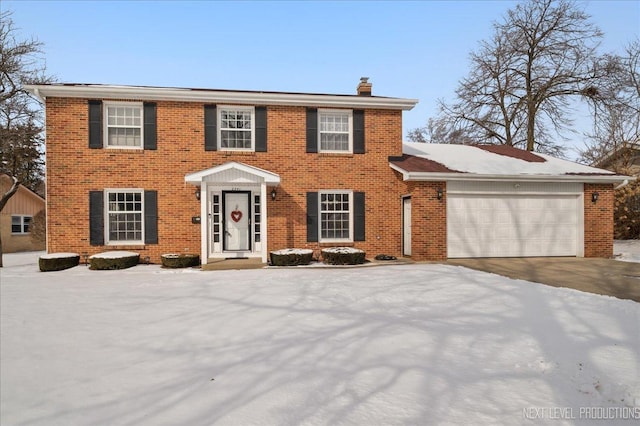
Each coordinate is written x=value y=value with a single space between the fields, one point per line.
x=219 y=97
x=425 y=176
x=405 y=174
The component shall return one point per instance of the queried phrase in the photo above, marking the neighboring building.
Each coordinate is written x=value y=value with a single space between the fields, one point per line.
x=239 y=173
x=16 y=218
x=625 y=158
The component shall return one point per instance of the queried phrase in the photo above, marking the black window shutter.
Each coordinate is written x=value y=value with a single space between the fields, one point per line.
x=358 y=216
x=150 y=126
x=358 y=131
x=261 y=129
x=151 y=217
x=312 y=130
x=95 y=124
x=312 y=217
x=96 y=218
x=210 y=128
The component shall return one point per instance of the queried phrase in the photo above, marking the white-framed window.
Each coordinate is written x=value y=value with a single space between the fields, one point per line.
x=336 y=216
x=20 y=224
x=335 y=130
x=123 y=125
x=236 y=126
x=124 y=213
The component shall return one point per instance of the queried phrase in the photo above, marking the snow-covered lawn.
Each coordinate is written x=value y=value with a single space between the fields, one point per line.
x=406 y=344
x=627 y=250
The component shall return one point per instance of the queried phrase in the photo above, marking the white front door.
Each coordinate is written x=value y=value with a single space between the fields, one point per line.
x=237 y=221
x=406 y=226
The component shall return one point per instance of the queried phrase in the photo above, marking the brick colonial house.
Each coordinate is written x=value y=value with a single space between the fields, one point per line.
x=241 y=173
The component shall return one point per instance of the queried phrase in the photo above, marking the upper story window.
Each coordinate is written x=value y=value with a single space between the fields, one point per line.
x=124 y=212
x=335 y=130
x=236 y=128
x=123 y=125
x=20 y=224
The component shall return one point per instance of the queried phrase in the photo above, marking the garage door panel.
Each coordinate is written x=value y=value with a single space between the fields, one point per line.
x=512 y=225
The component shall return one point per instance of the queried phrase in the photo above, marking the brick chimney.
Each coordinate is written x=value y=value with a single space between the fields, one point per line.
x=364 y=87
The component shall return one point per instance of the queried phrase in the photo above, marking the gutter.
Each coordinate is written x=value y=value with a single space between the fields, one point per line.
x=428 y=176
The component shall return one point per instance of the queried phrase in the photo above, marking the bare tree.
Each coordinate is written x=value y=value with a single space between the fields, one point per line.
x=615 y=140
x=541 y=54
x=616 y=128
x=439 y=130
x=21 y=141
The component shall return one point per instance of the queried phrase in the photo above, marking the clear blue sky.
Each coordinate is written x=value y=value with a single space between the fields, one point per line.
x=415 y=49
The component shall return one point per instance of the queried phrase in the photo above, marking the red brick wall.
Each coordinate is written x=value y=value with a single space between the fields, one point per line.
x=73 y=170
x=598 y=221
x=428 y=220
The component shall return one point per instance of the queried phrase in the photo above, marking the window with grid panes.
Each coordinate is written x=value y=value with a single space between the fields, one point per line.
x=236 y=128
x=124 y=216
x=335 y=216
x=123 y=125
x=334 y=130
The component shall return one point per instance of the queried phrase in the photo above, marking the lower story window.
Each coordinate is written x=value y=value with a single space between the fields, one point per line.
x=336 y=216
x=124 y=209
x=20 y=224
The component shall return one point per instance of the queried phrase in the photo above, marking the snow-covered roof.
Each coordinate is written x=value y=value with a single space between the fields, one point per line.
x=422 y=161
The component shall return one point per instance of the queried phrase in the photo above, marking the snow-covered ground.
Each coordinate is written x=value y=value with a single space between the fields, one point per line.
x=405 y=344
x=627 y=250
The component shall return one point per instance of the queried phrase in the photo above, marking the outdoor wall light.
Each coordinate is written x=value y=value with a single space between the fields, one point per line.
x=594 y=197
x=197 y=193
x=273 y=194
x=439 y=193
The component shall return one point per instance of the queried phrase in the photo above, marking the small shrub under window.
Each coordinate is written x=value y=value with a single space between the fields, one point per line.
x=343 y=256
x=291 y=257
x=58 y=261
x=114 y=260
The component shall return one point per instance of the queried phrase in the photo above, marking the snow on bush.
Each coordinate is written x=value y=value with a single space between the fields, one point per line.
x=343 y=256
x=114 y=260
x=182 y=260
x=58 y=261
x=291 y=257
x=342 y=250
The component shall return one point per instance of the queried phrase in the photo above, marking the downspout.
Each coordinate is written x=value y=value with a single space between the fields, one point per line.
x=623 y=184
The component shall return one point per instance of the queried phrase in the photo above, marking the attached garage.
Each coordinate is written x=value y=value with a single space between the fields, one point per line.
x=499 y=201
x=500 y=219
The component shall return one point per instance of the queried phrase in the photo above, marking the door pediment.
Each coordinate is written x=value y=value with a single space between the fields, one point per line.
x=233 y=172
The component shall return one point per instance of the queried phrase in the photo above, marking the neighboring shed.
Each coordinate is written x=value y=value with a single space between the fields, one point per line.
x=17 y=216
x=505 y=202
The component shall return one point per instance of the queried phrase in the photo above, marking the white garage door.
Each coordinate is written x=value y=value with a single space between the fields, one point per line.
x=514 y=225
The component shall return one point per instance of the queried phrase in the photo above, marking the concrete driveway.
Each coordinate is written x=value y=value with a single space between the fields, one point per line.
x=599 y=276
